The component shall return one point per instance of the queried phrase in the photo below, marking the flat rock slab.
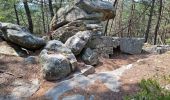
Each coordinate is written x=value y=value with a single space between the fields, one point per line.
x=78 y=81
x=110 y=79
x=24 y=89
x=74 y=97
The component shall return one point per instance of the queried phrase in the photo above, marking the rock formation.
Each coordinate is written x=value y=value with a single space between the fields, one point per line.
x=20 y=36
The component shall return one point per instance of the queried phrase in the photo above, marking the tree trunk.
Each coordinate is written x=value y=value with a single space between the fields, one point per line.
x=131 y=17
x=43 y=18
x=149 y=21
x=158 y=23
x=61 y=3
x=16 y=14
x=27 y=10
x=51 y=8
x=107 y=22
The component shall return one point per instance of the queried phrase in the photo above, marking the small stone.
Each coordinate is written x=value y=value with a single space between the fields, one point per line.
x=30 y=60
x=87 y=70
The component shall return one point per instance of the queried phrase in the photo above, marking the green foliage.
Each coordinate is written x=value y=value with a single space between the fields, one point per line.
x=150 y=90
x=168 y=41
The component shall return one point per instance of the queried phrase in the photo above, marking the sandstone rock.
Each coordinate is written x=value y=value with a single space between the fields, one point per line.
x=11 y=49
x=101 y=41
x=87 y=70
x=57 y=60
x=5 y=26
x=103 y=45
x=77 y=42
x=83 y=10
x=97 y=6
x=20 y=36
x=55 y=66
x=24 y=88
x=157 y=49
x=63 y=33
x=131 y=45
x=90 y=57
x=55 y=46
x=70 y=29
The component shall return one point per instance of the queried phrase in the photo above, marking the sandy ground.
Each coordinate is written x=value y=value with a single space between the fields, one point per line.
x=13 y=68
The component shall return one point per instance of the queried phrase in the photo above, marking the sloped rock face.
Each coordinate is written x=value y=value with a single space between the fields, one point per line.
x=131 y=45
x=77 y=42
x=20 y=36
x=57 y=60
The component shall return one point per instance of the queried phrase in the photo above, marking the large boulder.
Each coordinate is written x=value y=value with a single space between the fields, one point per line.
x=106 y=9
x=55 y=66
x=77 y=42
x=57 y=60
x=131 y=45
x=90 y=57
x=56 y=46
x=20 y=36
x=83 y=10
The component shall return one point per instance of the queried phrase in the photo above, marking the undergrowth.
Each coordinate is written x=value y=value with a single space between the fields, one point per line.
x=150 y=90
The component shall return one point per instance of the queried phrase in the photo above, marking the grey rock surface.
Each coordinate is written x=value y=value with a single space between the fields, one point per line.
x=131 y=45
x=55 y=46
x=90 y=57
x=97 y=6
x=24 y=89
x=57 y=60
x=110 y=79
x=83 y=10
x=74 y=97
x=54 y=66
x=20 y=36
x=157 y=49
x=87 y=70
x=77 y=81
x=77 y=42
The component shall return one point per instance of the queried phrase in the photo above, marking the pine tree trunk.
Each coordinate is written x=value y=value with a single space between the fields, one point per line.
x=51 y=8
x=158 y=23
x=149 y=21
x=16 y=14
x=42 y=13
x=27 y=10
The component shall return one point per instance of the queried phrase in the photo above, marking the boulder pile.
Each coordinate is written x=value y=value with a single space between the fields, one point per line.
x=77 y=31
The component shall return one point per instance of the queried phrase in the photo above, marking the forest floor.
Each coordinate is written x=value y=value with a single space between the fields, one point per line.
x=144 y=66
